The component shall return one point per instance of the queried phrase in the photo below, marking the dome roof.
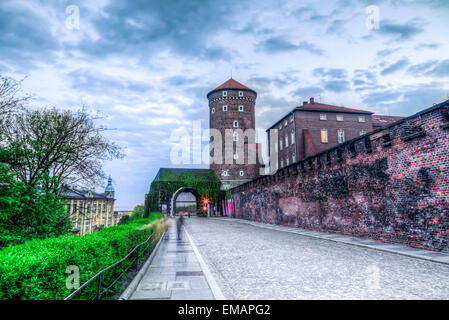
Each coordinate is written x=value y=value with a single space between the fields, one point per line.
x=109 y=187
x=231 y=84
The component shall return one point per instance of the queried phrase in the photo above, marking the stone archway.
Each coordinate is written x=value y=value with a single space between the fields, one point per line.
x=177 y=193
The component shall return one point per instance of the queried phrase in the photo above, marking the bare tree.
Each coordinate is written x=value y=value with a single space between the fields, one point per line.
x=10 y=98
x=63 y=145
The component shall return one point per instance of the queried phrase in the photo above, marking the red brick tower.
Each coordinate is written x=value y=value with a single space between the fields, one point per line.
x=232 y=106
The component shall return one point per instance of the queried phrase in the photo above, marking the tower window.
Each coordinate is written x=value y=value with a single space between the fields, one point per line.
x=241 y=173
x=236 y=136
x=225 y=173
x=236 y=124
x=236 y=156
x=225 y=93
x=241 y=108
x=225 y=108
x=240 y=93
x=213 y=110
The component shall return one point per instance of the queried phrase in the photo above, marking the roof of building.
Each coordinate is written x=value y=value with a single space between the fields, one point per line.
x=231 y=84
x=73 y=193
x=109 y=187
x=316 y=107
x=380 y=120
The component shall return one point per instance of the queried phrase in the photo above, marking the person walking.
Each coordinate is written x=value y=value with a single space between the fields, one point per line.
x=179 y=224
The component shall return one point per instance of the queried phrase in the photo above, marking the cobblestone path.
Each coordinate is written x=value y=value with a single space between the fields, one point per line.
x=250 y=262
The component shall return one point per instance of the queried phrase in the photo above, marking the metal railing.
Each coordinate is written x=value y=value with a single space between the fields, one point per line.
x=99 y=275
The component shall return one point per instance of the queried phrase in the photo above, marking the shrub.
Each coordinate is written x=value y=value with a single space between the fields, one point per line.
x=27 y=212
x=37 y=268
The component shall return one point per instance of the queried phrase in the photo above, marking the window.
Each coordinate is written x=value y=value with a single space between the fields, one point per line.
x=236 y=124
x=74 y=208
x=240 y=93
x=339 y=117
x=236 y=156
x=341 y=135
x=241 y=108
x=282 y=163
x=292 y=137
x=241 y=173
x=225 y=93
x=225 y=173
x=225 y=108
x=294 y=157
x=285 y=123
x=281 y=145
x=291 y=119
x=275 y=147
x=236 y=136
x=362 y=119
x=213 y=110
x=323 y=116
x=287 y=160
x=324 y=136
x=286 y=141
x=362 y=132
x=280 y=127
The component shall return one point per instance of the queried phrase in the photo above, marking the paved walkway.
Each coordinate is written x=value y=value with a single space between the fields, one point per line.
x=177 y=272
x=258 y=261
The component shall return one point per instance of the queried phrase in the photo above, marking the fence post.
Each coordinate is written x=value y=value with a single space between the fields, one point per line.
x=99 y=287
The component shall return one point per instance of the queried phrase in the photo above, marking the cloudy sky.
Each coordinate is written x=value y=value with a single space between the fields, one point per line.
x=147 y=65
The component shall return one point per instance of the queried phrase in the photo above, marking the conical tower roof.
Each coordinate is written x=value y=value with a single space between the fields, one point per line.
x=230 y=85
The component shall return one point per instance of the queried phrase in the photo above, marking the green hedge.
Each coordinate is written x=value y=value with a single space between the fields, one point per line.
x=37 y=268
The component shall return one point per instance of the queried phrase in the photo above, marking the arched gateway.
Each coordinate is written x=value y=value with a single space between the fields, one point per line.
x=169 y=183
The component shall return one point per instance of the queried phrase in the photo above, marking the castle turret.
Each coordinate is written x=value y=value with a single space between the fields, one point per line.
x=109 y=190
x=232 y=112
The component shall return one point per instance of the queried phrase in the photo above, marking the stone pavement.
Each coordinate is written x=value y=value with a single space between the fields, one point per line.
x=176 y=272
x=441 y=257
x=257 y=261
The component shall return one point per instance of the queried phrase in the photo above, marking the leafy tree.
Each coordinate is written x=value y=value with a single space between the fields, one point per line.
x=124 y=219
x=27 y=212
x=138 y=212
x=65 y=145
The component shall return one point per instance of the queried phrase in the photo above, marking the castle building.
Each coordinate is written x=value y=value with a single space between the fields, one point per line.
x=232 y=115
x=90 y=211
x=314 y=127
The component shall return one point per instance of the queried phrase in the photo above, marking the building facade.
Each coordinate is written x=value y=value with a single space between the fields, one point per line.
x=90 y=211
x=234 y=149
x=314 y=127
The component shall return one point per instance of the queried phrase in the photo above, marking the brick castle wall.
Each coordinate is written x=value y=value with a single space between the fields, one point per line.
x=391 y=184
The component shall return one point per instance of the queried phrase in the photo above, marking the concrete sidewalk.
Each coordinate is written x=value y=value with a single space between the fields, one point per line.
x=440 y=257
x=177 y=272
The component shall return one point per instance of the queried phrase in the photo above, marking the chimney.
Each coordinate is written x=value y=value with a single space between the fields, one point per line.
x=304 y=103
x=312 y=100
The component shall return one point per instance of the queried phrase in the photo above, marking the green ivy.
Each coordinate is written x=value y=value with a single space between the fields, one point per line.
x=205 y=183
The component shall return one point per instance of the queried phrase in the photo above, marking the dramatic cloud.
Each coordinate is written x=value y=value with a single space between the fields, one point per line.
x=147 y=66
